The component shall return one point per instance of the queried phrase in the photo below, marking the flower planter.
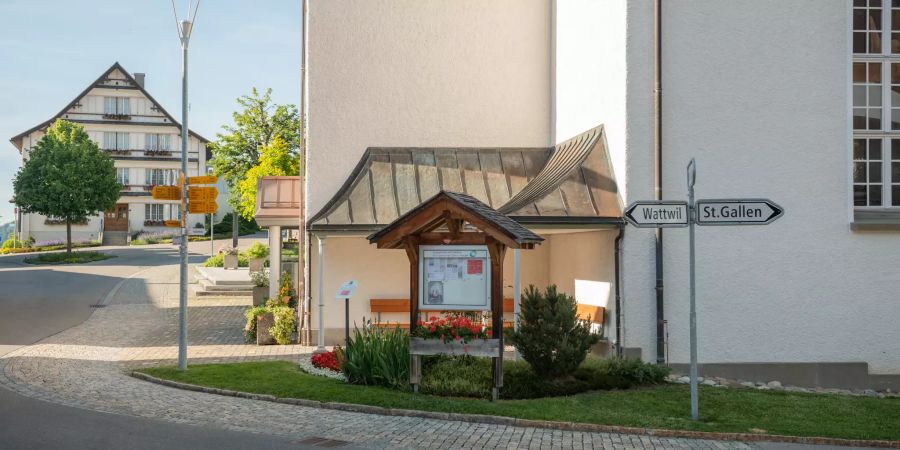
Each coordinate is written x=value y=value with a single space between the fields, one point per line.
x=256 y=264
x=230 y=262
x=259 y=295
x=263 y=323
x=489 y=348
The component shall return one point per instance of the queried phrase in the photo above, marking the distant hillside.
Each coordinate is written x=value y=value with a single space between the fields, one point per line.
x=6 y=230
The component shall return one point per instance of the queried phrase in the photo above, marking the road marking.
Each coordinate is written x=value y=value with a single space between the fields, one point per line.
x=115 y=290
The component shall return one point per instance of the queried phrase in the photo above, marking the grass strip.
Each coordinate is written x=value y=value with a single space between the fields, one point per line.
x=666 y=406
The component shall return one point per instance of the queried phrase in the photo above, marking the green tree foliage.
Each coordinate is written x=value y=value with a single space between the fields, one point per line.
x=551 y=337
x=274 y=160
x=66 y=176
x=256 y=126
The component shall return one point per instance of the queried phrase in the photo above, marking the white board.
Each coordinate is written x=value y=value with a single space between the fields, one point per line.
x=454 y=277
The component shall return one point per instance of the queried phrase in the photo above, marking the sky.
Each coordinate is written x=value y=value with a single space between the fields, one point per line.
x=51 y=50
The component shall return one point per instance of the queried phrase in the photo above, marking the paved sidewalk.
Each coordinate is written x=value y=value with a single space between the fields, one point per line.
x=86 y=366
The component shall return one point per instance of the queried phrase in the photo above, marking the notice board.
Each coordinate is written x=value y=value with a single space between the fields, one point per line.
x=454 y=277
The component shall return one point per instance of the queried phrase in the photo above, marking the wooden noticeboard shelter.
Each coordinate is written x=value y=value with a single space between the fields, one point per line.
x=455 y=220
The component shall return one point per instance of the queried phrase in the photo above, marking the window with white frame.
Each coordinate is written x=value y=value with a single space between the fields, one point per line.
x=154 y=212
x=876 y=104
x=122 y=175
x=116 y=140
x=117 y=105
x=161 y=177
x=157 y=141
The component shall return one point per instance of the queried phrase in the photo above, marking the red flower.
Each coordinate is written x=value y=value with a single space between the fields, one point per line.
x=419 y=322
x=432 y=329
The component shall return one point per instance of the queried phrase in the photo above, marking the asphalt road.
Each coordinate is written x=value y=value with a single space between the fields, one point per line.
x=39 y=301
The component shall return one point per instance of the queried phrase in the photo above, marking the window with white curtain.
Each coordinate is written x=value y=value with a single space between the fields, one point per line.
x=117 y=105
x=161 y=177
x=153 y=141
x=122 y=175
x=876 y=104
x=116 y=140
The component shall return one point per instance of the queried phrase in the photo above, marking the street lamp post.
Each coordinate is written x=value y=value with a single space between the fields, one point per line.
x=184 y=33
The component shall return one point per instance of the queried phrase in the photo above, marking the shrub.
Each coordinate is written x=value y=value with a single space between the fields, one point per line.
x=457 y=376
x=219 y=261
x=68 y=258
x=151 y=237
x=228 y=250
x=257 y=250
x=244 y=226
x=326 y=360
x=286 y=289
x=283 y=328
x=15 y=243
x=551 y=337
x=378 y=356
x=250 y=328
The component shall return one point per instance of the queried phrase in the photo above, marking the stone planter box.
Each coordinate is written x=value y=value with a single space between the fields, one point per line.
x=489 y=348
x=263 y=323
x=257 y=264
x=230 y=262
x=259 y=295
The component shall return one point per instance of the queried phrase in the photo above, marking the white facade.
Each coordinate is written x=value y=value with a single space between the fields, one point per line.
x=759 y=92
x=145 y=144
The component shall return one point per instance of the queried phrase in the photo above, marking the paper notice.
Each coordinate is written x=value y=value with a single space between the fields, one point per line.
x=475 y=267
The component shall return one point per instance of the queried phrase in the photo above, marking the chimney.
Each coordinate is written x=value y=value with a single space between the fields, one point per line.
x=139 y=77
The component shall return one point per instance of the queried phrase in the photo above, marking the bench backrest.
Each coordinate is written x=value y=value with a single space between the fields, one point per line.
x=596 y=312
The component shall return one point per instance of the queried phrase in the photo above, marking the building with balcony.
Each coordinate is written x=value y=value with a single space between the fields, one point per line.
x=143 y=139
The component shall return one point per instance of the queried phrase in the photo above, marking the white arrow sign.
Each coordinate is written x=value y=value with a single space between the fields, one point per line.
x=657 y=214
x=737 y=211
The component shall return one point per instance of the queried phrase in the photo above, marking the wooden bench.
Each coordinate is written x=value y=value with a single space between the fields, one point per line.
x=401 y=305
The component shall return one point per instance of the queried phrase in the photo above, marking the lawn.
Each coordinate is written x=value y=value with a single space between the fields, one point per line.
x=665 y=406
x=68 y=258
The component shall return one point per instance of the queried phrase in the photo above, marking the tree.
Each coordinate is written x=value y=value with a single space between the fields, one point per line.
x=274 y=160
x=256 y=126
x=66 y=176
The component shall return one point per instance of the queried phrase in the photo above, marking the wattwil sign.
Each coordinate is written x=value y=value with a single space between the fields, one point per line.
x=664 y=214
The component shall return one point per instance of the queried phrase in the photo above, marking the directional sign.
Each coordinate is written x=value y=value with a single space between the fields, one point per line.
x=197 y=232
x=205 y=179
x=657 y=214
x=166 y=193
x=347 y=289
x=173 y=223
x=737 y=211
x=200 y=194
x=207 y=207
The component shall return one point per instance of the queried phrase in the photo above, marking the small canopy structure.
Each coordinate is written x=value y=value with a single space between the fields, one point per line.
x=451 y=218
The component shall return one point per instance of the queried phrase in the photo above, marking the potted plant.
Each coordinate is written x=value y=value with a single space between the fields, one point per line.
x=260 y=286
x=454 y=333
x=257 y=254
x=229 y=257
x=286 y=291
x=264 y=323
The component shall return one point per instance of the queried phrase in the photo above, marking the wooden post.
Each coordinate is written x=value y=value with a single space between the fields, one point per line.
x=411 y=245
x=497 y=252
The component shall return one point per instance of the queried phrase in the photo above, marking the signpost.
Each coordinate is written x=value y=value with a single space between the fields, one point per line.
x=203 y=207
x=173 y=223
x=166 y=193
x=345 y=292
x=659 y=214
x=203 y=179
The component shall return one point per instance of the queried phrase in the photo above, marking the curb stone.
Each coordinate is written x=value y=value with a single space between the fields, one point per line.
x=510 y=421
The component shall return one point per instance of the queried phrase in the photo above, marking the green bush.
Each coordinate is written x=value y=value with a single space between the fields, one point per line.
x=218 y=260
x=257 y=250
x=14 y=243
x=466 y=376
x=378 y=356
x=250 y=328
x=244 y=226
x=551 y=338
x=68 y=258
x=283 y=328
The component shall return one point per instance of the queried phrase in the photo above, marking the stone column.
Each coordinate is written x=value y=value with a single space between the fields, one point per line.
x=274 y=260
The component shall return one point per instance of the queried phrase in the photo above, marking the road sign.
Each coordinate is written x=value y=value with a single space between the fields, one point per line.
x=203 y=207
x=198 y=194
x=737 y=211
x=166 y=193
x=657 y=214
x=197 y=232
x=173 y=223
x=205 y=179
x=347 y=289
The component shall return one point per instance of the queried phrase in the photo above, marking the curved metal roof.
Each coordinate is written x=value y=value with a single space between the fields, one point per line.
x=571 y=183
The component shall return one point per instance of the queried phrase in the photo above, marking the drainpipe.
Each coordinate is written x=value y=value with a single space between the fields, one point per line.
x=303 y=244
x=618 y=261
x=657 y=179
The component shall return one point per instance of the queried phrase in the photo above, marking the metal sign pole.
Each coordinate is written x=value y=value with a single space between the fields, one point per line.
x=212 y=244
x=182 y=297
x=347 y=322
x=691 y=178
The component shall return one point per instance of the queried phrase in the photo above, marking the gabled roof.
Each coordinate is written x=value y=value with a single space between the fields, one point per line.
x=16 y=140
x=571 y=183
x=469 y=209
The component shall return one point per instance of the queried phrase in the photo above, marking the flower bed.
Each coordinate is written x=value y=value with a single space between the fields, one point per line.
x=452 y=327
x=307 y=366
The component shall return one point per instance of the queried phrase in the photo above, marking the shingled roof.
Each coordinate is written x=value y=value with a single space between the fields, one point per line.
x=571 y=183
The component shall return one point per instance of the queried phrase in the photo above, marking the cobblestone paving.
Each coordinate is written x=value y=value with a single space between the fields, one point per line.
x=85 y=367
